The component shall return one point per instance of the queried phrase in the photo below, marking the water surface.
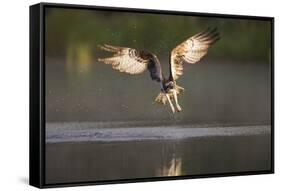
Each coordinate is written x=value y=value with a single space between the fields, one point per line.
x=89 y=152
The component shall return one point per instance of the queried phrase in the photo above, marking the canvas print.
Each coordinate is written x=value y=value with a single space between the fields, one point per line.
x=135 y=95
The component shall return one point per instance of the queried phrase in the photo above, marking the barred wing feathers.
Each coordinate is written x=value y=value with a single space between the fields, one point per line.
x=132 y=61
x=191 y=51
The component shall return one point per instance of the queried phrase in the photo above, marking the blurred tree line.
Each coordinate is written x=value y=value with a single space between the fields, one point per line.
x=76 y=33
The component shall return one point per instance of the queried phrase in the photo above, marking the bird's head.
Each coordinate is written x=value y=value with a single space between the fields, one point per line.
x=167 y=85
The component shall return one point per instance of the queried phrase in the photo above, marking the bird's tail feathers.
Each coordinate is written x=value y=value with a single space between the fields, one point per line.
x=162 y=99
x=179 y=89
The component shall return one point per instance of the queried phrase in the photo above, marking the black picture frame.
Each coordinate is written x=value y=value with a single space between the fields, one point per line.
x=37 y=94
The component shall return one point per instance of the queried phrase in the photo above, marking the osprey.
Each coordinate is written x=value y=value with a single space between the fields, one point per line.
x=133 y=61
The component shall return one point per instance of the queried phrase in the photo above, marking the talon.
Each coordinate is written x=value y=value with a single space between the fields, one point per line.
x=171 y=105
x=179 y=108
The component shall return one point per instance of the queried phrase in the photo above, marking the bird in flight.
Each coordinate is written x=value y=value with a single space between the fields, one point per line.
x=133 y=61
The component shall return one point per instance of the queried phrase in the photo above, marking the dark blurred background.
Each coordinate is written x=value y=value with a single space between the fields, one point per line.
x=230 y=85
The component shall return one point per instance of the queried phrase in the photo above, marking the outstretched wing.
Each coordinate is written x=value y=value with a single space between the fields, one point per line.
x=132 y=61
x=191 y=51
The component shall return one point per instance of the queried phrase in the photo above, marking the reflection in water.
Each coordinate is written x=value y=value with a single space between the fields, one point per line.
x=116 y=160
x=173 y=168
x=171 y=161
